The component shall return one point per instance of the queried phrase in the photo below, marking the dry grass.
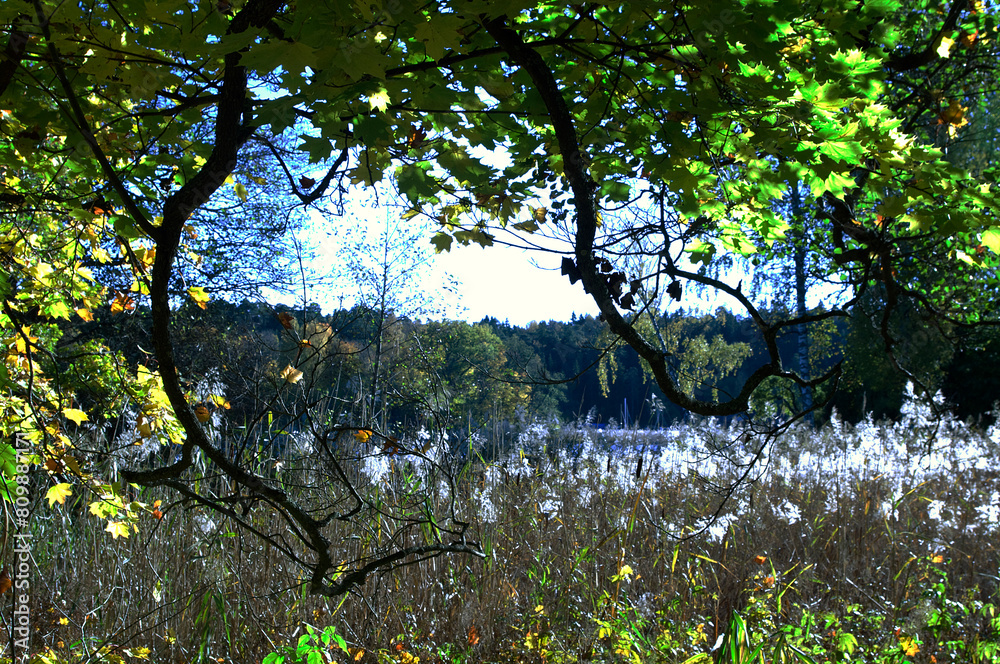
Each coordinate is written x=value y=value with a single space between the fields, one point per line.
x=817 y=538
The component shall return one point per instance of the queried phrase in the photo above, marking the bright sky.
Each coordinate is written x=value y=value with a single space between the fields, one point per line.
x=504 y=283
x=499 y=281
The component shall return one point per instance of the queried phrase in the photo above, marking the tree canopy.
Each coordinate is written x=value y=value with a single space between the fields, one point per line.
x=657 y=138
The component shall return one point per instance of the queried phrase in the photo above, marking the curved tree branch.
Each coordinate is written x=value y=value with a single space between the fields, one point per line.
x=576 y=167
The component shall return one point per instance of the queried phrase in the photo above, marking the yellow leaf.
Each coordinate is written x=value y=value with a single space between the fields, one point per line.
x=77 y=416
x=199 y=296
x=203 y=414
x=379 y=100
x=58 y=494
x=122 y=303
x=291 y=374
x=944 y=50
x=362 y=435
x=241 y=192
x=117 y=529
x=85 y=314
x=220 y=402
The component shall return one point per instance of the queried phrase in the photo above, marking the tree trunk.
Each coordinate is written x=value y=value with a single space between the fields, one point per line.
x=801 y=334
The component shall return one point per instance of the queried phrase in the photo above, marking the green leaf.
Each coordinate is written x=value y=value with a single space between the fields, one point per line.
x=5 y=381
x=438 y=34
x=616 y=191
x=318 y=147
x=58 y=309
x=847 y=152
x=442 y=242
x=415 y=181
x=126 y=228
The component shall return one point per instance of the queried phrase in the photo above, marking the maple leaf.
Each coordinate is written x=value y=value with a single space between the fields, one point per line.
x=220 y=402
x=144 y=426
x=199 y=296
x=58 y=494
x=77 y=416
x=379 y=100
x=954 y=114
x=441 y=242
x=392 y=447
x=117 y=529
x=991 y=238
x=103 y=509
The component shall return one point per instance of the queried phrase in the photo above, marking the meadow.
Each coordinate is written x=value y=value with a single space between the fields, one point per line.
x=875 y=542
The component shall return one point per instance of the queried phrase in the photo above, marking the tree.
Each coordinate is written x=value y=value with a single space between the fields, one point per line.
x=387 y=270
x=125 y=121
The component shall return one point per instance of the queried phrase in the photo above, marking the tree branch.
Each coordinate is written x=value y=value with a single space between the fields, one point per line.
x=576 y=167
x=77 y=117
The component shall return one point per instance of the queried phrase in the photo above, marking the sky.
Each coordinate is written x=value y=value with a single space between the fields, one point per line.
x=513 y=285
x=506 y=283
x=503 y=282
x=500 y=281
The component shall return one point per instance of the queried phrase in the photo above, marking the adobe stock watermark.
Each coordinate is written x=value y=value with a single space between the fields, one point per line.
x=711 y=31
x=21 y=555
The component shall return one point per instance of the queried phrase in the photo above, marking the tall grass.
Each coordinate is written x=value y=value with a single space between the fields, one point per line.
x=875 y=542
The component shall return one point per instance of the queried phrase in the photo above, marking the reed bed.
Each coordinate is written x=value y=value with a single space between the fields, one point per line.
x=875 y=542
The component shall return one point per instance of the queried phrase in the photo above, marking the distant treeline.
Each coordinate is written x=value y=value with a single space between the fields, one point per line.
x=398 y=370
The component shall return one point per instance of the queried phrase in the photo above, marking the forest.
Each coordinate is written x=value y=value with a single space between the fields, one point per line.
x=488 y=376
x=775 y=442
